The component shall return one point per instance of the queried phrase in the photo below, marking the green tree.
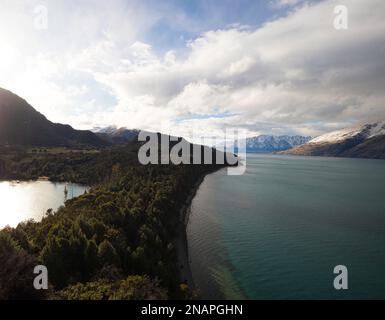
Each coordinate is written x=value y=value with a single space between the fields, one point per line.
x=16 y=271
x=107 y=254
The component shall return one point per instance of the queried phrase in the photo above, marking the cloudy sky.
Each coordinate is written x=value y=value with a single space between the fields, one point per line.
x=274 y=67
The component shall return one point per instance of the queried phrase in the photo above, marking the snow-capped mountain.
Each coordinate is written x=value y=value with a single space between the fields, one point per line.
x=116 y=135
x=267 y=143
x=106 y=130
x=364 y=132
x=365 y=141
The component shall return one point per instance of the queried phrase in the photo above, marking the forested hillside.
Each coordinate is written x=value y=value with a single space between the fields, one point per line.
x=114 y=242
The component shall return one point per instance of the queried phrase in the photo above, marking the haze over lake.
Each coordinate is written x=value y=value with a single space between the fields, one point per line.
x=278 y=231
x=20 y=201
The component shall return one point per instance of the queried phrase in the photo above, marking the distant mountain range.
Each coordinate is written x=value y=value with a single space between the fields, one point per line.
x=259 y=144
x=22 y=125
x=270 y=144
x=116 y=135
x=366 y=141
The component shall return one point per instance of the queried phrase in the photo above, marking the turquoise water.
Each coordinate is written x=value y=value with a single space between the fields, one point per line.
x=278 y=231
x=20 y=201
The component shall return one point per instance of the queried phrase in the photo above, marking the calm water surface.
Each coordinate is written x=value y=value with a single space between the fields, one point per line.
x=278 y=231
x=30 y=200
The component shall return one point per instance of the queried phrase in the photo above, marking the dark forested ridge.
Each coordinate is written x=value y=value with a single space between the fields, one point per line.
x=22 y=125
x=115 y=242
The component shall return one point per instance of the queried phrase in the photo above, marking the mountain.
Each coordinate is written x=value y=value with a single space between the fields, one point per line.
x=365 y=141
x=22 y=125
x=269 y=144
x=116 y=135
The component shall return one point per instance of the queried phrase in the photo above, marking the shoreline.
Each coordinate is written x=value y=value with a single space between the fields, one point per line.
x=181 y=242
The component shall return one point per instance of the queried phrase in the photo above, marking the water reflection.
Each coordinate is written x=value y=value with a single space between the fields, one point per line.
x=21 y=201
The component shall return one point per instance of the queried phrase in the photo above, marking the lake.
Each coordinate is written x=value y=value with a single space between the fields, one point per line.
x=278 y=231
x=21 y=201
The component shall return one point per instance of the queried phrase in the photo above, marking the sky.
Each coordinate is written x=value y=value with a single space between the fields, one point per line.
x=267 y=67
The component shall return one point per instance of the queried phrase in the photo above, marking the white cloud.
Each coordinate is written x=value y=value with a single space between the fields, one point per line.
x=285 y=3
x=47 y=67
x=296 y=74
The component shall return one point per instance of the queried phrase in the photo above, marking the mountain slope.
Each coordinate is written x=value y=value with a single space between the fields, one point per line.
x=367 y=141
x=22 y=125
